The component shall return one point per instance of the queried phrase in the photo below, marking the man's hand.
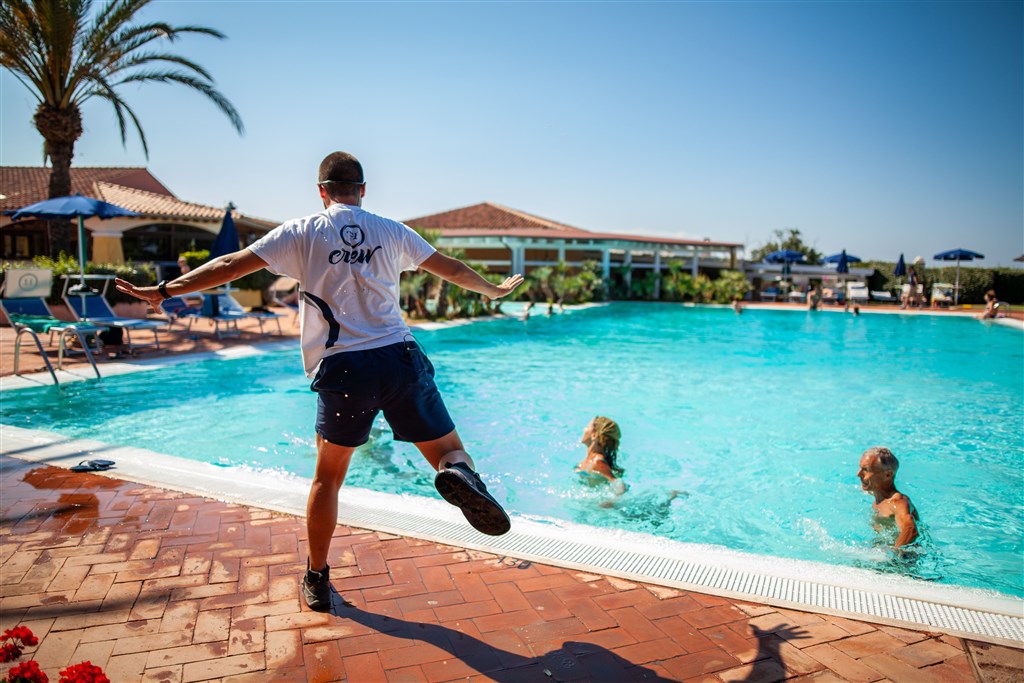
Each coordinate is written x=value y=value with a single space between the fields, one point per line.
x=150 y=295
x=508 y=286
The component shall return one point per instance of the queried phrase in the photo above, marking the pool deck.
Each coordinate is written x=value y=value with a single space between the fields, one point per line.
x=157 y=585
x=175 y=341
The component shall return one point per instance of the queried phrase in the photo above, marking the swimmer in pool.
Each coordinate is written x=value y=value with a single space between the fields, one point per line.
x=601 y=437
x=877 y=476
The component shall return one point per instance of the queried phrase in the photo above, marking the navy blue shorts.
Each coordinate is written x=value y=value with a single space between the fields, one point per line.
x=354 y=386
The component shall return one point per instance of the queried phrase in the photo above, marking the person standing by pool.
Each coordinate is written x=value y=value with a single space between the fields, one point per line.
x=877 y=476
x=601 y=436
x=357 y=348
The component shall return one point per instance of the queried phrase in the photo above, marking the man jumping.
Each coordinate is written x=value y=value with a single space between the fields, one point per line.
x=357 y=348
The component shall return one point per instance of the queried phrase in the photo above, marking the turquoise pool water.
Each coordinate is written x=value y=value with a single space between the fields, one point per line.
x=756 y=422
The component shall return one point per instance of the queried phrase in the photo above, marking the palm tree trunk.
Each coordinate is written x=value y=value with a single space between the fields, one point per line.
x=60 y=129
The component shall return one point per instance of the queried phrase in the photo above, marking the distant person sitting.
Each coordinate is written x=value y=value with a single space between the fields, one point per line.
x=877 y=476
x=183 y=265
x=991 y=305
x=737 y=306
x=601 y=437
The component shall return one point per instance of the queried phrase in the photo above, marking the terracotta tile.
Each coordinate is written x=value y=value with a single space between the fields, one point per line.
x=509 y=597
x=650 y=651
x=697 y=663
x=903 y=634
x=246 y=636
x=712 y=616
x=959 y=669
x=925 y=653
x=685 y=635
x=896 y=670
x=506 y=620
x=547 y=604
x=180 y=616
x=212 y=625
x=409 y=674
x=636 y=624
x=762 y=671
x=847 y=667
x=202 y=671
x=80 y=621
x=466 y=610
x=364 y=667
x=283 y=649
x=868 y=644
x=165 y=674
x=185 y=654
x=126 y=668
x=638 y=596
x=744 y=649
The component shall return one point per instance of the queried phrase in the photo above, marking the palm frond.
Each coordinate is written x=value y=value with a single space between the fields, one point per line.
x=187 y=80
x=121 y=108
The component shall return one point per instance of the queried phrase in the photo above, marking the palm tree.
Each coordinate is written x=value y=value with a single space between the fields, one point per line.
x=65 y=56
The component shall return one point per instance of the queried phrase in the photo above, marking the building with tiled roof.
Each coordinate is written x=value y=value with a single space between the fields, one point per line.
x=507 y=240
x=165 y=227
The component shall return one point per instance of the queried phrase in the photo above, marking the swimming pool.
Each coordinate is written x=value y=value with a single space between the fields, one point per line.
x=757 y=421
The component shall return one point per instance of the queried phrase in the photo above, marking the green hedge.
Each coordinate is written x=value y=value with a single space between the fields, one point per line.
x=138 y=273
x=260 y=280
x=974 y=281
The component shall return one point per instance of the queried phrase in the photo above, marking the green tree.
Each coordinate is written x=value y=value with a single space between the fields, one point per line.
x=786 y=239
x=65 y=54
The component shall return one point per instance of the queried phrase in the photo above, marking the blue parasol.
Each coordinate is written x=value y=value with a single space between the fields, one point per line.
x=843 y=266
x=901 y=268
x=70 y=207
x=226 y=242
x=784 y=256
x=227 y=238
x=957 y=255
x=835 y=258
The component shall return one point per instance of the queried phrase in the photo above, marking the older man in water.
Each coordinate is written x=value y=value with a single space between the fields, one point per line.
x=877 y=476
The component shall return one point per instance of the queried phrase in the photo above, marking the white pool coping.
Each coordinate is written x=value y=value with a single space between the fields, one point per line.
x=809 y=586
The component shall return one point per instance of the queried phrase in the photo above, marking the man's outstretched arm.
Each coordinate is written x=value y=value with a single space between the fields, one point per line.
x=219 y=271
x=458 y=273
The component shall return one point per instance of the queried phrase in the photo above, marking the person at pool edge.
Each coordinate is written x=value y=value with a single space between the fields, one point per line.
x=357 y=348
x=877 y=476
x=601 y=436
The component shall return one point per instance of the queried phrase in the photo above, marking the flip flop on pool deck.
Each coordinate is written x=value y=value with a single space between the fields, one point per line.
x=462 y=487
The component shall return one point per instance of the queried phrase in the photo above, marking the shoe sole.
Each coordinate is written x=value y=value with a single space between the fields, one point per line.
x=480 y=510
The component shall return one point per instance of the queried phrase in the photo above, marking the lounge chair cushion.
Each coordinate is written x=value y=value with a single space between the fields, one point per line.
x=36 y=323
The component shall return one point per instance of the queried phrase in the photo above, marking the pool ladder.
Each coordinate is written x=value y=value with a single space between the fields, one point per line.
x=62 y=347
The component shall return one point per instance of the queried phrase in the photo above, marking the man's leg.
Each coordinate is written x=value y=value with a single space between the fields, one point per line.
x=447 y=450
x=322 y=507
x=460 y=485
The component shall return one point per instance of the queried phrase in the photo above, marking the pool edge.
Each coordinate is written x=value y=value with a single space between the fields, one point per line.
x=607 y=553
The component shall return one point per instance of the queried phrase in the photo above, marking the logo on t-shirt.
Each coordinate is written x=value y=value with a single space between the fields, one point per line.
x=352 y=236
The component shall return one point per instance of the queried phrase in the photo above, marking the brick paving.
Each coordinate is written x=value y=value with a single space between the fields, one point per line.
x=155 y=585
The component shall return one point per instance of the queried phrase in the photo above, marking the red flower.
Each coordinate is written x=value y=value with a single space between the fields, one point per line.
x=86 y=672
x=27 y=672
x=9 y=652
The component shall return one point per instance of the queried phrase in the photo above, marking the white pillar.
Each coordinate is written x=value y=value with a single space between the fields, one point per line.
x=606 y=263
x=561 y=254
x=693 y=266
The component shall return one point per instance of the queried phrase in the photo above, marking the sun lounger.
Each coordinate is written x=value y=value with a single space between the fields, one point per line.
x=942 y=294
x=94 y=308
x=857 y=292
x=224 y=312
x=178 y=309
x=23 y=303
x=770 y=294
x=882 y=296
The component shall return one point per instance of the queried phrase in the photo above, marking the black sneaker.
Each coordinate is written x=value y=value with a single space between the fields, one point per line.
x=316 y=588
x=461 y=486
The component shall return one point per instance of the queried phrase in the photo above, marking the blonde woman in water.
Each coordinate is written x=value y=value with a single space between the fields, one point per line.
x=601 y=437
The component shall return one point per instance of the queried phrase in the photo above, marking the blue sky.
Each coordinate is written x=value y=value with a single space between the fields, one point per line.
x=877 y=127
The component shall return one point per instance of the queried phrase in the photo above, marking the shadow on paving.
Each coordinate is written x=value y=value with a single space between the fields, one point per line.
x=573 y=661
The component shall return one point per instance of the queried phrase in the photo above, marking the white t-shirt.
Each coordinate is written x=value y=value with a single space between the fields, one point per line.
x=347 y=262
